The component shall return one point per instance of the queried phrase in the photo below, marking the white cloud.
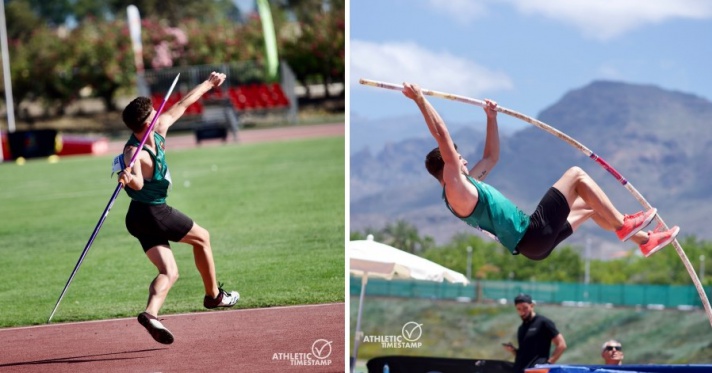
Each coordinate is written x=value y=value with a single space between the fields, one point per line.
x=462 y=11
x=605 y=20
x=408 y=62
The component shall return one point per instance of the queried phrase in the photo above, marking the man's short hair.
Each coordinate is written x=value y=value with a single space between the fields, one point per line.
x=136 y=113
x=612 y=341
x=523 y=298
x=434 y=163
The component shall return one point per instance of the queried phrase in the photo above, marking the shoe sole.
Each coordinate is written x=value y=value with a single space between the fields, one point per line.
x=156 y=329
x=646 y=222
x=662 y=244
x=222 y=306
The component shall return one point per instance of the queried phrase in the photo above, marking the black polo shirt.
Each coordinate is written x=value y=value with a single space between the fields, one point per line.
x=534 y=337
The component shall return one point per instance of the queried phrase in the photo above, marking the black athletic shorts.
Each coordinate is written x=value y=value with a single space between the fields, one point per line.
x=548 y=226
x=155 y=225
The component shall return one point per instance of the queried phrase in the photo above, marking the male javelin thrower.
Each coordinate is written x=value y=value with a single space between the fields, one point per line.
x=151 y=220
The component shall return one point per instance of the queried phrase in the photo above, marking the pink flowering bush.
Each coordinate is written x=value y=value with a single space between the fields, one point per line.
x=53 y=65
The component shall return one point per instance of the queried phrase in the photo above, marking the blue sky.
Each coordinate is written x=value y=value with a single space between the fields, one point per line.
x=525 y=54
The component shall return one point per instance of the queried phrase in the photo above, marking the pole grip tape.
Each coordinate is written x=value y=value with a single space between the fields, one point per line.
x=609 y=168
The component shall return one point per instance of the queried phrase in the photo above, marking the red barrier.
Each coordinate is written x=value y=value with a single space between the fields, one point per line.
x=76 y=145
x=5 y=146
x=242 y=97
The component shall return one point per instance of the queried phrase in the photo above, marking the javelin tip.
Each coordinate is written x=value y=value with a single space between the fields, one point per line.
x=173 y=85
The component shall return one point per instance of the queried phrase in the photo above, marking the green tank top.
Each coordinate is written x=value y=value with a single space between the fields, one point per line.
x=155 y=191
x=496 y=214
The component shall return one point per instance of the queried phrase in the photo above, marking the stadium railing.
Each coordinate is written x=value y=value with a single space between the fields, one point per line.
x=682 y=297
x=245 y=96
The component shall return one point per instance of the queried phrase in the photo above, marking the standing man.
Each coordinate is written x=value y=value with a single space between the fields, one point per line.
x=612 y=352
x=571 y=201
x=153 y=222
x=535 y=336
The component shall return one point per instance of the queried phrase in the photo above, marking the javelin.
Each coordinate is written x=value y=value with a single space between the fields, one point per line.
x=111 y=201
x=571 y=141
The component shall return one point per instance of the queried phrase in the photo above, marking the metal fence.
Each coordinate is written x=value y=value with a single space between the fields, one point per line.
x=237 y=74
x=651 y=296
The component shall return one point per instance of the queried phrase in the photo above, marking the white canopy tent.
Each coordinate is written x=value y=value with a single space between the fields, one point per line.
x=368 y=258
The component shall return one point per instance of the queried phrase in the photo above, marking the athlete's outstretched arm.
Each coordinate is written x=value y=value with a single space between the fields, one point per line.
x=435 y=123
x=171 y=115
x=490 y=155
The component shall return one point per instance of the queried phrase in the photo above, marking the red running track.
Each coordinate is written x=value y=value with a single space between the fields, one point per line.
x=278 y=339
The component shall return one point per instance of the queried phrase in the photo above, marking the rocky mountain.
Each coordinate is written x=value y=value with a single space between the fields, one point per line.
x=659 y=140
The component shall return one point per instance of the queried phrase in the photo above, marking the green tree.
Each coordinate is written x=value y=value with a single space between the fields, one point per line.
x=83 y=9
x=610 y=271
x=663 y=268
x=52 y=64
x=45 y=73
x=306 y=10
x=454 y=254
x=21 y=72
x=666 y=267
x=355 y=236
x=493 y=262
x=20 y=19
x=226 y=42
x=403 y=235
x=54 y=12
x=315 y=50
x=103 y=58
x=176 y=11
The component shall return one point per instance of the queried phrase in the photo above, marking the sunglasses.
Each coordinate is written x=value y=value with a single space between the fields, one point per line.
x=611 y=348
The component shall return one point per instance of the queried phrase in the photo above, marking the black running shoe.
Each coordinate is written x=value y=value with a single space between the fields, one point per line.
x=155 y=328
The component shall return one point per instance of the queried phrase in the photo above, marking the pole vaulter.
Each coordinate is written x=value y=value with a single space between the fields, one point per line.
x=571 y=141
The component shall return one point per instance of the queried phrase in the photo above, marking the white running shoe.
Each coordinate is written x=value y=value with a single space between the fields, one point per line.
x=224 y=299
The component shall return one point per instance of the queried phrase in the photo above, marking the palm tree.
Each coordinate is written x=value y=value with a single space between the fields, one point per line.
x=404 y=236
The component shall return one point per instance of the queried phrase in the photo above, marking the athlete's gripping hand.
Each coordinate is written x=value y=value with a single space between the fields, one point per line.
x=413 y=92
x=125 y=176
x=216 y=79
x=490 y=108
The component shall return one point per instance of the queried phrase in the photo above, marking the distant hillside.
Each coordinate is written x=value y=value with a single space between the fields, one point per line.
x=658 y=139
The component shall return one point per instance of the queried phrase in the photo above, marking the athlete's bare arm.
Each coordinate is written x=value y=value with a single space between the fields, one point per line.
x=490 y=155
x=166 y=119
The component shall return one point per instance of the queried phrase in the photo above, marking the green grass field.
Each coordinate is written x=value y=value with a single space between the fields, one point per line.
x=275 y=212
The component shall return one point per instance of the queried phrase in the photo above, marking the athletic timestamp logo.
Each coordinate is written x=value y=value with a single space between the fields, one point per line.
x=321 y=349
x=411 y=332
x=317 y=355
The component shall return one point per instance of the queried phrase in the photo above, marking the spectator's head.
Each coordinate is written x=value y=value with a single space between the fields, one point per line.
x=612 y=352
x=137 y=112
x=525 y=306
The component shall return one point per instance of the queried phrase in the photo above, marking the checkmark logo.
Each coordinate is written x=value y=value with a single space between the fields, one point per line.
x=412 y=331
x=321 y=349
